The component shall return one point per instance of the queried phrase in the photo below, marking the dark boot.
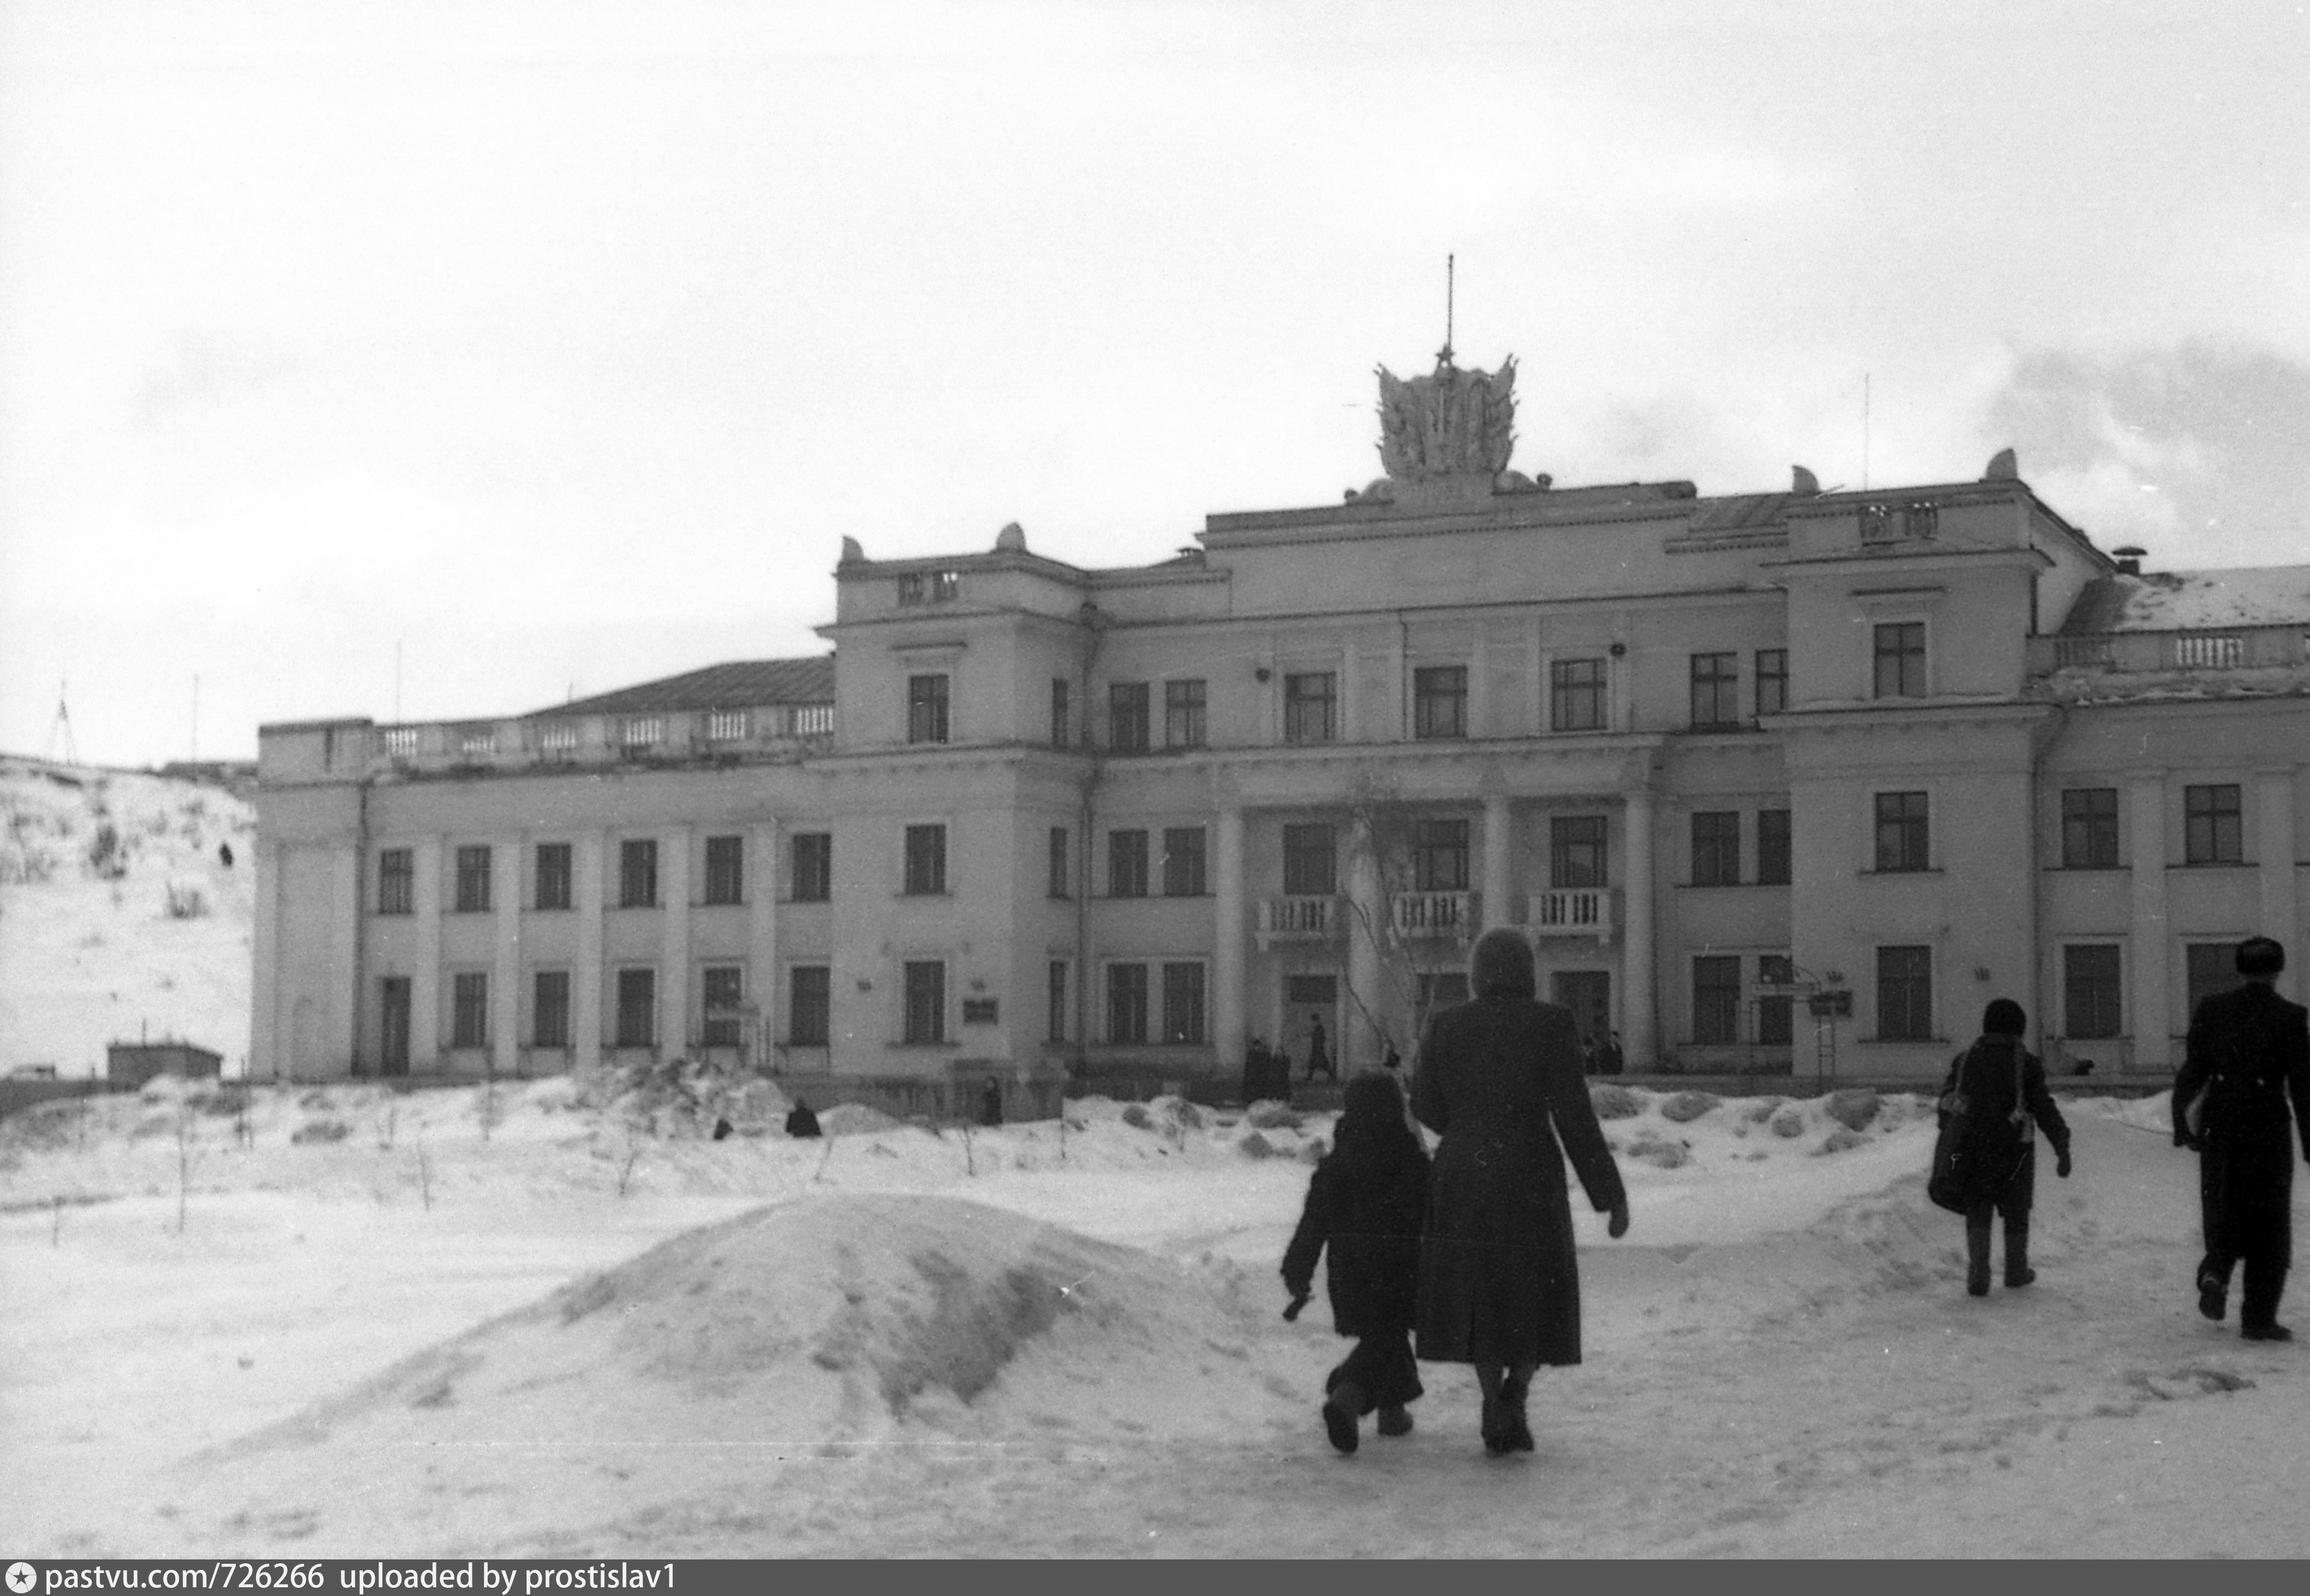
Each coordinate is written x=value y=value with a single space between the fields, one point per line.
x=1341 y=1409
x=2213 y=1291
x=1977 y=1255
x=1498 y=1431
x=2018 y=1271
x=1395 y=1421
x=2265 y=1283
x=1514 y=1390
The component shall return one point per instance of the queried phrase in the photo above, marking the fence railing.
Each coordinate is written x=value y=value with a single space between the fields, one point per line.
x=2232 y=648
x=1571 y=911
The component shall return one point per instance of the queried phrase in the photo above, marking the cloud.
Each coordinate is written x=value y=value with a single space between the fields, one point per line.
x=2193 y=449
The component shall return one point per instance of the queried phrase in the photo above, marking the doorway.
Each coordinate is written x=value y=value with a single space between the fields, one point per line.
x=1305 y=998
x=1589 y=993
x=394 y=1025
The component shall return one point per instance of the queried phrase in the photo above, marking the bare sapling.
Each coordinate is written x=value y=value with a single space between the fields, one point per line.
x=184 y=1158
x=969 y=1161
x=56 y=1223
x=425 y=1176
x=823 y=1159
x=633 y=1157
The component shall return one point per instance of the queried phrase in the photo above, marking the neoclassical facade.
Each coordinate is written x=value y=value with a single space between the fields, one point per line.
x=1787 y=782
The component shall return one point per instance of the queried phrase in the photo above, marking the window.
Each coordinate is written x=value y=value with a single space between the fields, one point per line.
x=1439 y=856
x=1773 y=847
x=1576 y=695
x=1576 y=851
x=1715 y=692
x=1772 y=680
x=728 y=725
x=1776 y=1011
x=1183 y=714
x=1904 y=994
x=474 y=881
x=814 y=866
x=1442 y=989
x=1054 y=1017
x=1126 y=864
x=724 y=990
x=2088 y=830
x=927 y=719
x=926 y=1001
x=469 y=1008
x=553 y=876
x=1901 y=660
x=725 y=870
x=1717 y=848
x=1061 y=847
x=810 y=1005
x=1901 y=831
x=2208 y=967
x=1183 y=1002
x=1311 y=707
x=397 y=881
x=637 y=1007
x=929 y=587
x=1126 y=717
x=1439 y=701
x=1182 y=862
x=925 y=861
x=1126 y=1003
x=2091 y=992
x=2212 y=833
x=1062 y=713
x=1310 y=860
x=637 y=873
x=548 y=1009
x=1716 y=999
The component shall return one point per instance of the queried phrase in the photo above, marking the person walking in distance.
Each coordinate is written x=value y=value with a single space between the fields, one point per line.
x=2001 y=1087
x=1319 y=1054
x=1366 y=1202
x=1499 y=1080
x=2248 y=1050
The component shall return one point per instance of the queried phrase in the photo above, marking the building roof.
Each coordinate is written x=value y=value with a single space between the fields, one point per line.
x=737 y=684
x=2190 y=601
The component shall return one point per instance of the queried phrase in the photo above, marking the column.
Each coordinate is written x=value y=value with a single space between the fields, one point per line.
x=265 y=984
x=2274 y=850
x=764 y=844
x=1498 y=840
x=425 y=980
x=336 y=1049
x=1227 y=939
x=505 y=972
x=1639 y=1039
x=2152 y=960
x=587 y=1020
x=674 y=946
x=1367 y=930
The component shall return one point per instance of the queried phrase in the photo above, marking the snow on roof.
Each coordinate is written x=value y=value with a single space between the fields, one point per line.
x=2193 y=600
x=741 y=682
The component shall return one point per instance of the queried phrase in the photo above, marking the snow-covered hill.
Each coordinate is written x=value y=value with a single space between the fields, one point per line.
x=118 y=917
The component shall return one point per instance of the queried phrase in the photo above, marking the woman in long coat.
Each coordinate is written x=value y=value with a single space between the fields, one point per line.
x=2004 y=1085
x=1500 y=1079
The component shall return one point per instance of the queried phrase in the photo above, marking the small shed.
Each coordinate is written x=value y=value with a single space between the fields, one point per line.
x=128 y=1065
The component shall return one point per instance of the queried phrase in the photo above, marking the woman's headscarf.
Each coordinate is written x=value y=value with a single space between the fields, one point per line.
x=1501 y=966
x=1373 y=1135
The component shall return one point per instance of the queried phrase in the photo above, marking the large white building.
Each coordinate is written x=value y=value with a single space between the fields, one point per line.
x=1727 y=761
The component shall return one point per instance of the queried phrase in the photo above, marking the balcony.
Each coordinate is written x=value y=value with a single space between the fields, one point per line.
x=1432 y=914
x=1572 y=912
x=2234 y=648
x=1298 y=918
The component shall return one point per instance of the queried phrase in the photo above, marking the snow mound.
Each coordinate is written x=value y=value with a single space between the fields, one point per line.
x=857 y=1119
x=816 y=1325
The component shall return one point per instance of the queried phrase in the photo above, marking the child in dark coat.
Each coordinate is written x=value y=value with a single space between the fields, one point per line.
x=1368 y=1202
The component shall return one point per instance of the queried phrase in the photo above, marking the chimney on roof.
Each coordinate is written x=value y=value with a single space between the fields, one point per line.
x=2129 y=559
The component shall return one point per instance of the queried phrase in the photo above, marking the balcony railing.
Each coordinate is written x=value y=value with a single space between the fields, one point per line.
x=1571 y=912
x=2234 y=648
x=1432 y=914
x=768 y=731
x=1298 y=918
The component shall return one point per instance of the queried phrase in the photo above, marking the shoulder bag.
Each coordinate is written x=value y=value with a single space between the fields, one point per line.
x=1963 y=1159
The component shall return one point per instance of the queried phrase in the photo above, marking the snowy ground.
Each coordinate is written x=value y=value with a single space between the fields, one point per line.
x=573 y=1336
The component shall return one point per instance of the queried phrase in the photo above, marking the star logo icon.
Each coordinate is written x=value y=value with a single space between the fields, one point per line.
x=21 y=1578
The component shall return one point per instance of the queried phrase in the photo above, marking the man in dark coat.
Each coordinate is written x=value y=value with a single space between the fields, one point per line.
x=2004 y=1085
x=1500 y=1079
x=2249 y=1049
x=990 y=1103
x=1319 y=1054
x=1609 y=1058
x=800 y=1122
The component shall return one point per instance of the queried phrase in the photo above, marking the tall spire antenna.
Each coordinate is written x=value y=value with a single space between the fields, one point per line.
x=1444 y=356
x=1864 y=431
x=60 y=732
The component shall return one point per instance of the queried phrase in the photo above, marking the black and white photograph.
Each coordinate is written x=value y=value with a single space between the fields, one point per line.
x=988 y=779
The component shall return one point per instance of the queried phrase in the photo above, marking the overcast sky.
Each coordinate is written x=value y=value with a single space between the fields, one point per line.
x=559 y=345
